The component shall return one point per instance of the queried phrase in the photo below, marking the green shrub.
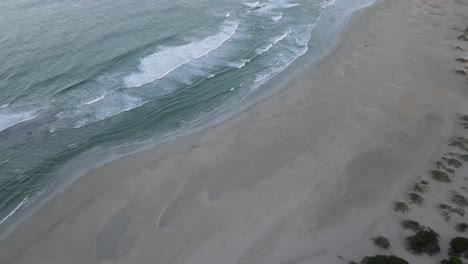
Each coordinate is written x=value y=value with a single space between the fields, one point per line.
x=415 y=198
x=459 y=142
x=450 y=209
x=459 y=247
x=459 y=199
x=381 y=242
x=461 y=227
x=418 y=187
x=453 y=162
x=411 y=224
x=441 y=166
x=440 y=176
x=401 y=207
x=452 y=260
x=425 y=241
x=380 y=259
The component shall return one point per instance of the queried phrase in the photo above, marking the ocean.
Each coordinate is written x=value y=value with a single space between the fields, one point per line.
x=83 y=77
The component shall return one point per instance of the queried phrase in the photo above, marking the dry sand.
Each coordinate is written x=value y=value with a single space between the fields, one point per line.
x=308 y=175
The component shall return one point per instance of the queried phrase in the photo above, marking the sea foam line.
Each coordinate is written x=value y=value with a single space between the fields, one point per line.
x=160 y=64
x=25 y=200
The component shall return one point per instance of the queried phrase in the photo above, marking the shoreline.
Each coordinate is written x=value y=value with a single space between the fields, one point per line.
x=307 y=174
x=83 y=166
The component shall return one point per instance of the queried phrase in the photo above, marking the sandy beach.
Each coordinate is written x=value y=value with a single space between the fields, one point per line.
x=307 y=175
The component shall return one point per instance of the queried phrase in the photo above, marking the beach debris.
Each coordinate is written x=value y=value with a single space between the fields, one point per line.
x=381 y=259
x=452 y=260
x=401 y=207
x=461 y=227
x=381 y=242
x=459 y=199
x=412 y=225
x=459 y=48
x=462 y=60
x=425 y=241
x=459 y=247
x=440 y=176
x=415 y=199
x=459 y=142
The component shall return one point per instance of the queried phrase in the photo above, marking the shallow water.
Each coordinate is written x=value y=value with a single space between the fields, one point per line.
x=81 y=76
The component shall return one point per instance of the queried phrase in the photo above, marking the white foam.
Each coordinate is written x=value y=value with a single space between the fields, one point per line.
x=93 y=101
x=10 y=119
x=25 y=200
x=239 y=64
x=327 y=3
x=111 y=105
x=252 y=4
x=274 y=42
x=277 y=18
x=168 y=59
x=228 y=14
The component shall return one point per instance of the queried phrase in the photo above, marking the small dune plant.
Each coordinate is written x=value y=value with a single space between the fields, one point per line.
x=412 y=225
x=415 y=198
x=446 y=210
x=440 y=176
x=424 y=241
x=461 y=227
x=459 y=247
x=381 y=242
x=401 y=207
x=459 y=142
x=381 y=259
x=459 y=199
x=452 y=260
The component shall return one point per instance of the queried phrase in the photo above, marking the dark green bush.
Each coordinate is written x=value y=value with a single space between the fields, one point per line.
x=461 y=227
x=425 y=241
x=380 y=259
x=440 y=176
x=415 y=198
x=401 y=207
x=459 y=247
x=452 y=260
x=381 y=242
x=411 y=224
x=459 y=199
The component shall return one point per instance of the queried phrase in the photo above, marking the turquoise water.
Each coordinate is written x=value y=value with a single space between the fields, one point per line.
x=81 y=76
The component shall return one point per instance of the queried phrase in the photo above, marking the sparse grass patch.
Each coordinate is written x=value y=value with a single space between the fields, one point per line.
x=411 y=224
x=441 y=166
x=459 y=247
x=459 y=199
x=462 y=37
x=416 y=198
x=459 y=142
x=381 y=242
x=440 y=176
x=424 y=182
x=418 y=187
x=401 y=207
x=463 y=157
x=461 y=227
x=425 y=241
x=380 y=259
x=446 y=210
x=453 y=162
